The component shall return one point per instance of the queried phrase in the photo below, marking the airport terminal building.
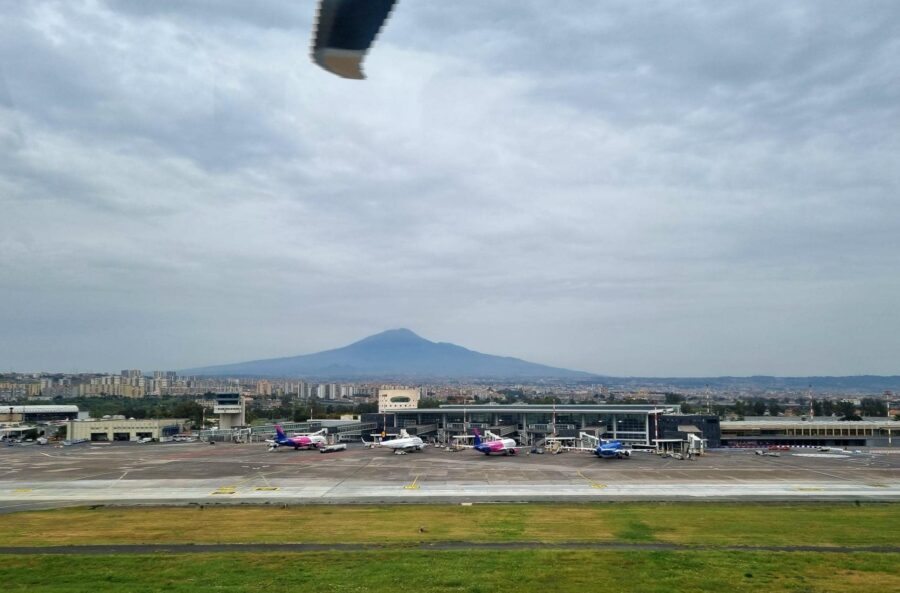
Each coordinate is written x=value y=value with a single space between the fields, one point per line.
x=826 y=432
x=531 y=423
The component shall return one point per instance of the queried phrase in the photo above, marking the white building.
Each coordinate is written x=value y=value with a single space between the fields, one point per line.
x=398 y=399
x=231 y=410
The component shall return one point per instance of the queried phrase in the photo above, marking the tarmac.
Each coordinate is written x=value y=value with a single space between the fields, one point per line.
x=33 y=477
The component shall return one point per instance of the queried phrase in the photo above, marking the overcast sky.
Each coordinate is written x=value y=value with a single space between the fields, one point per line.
x=628 y=188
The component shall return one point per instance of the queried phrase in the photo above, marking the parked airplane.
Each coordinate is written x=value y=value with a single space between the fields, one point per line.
x=301 y=441
x=611 y=450
x=505 y=446
x=405 y=443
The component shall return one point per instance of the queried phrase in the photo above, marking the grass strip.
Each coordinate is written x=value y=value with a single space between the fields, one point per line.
x=456 y=571
x=821 y=524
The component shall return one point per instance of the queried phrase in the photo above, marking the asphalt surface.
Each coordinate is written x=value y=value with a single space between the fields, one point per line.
x=33 y=477
x=295 y=548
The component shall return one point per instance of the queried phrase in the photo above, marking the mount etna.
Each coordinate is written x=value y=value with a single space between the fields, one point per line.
x=393 y=353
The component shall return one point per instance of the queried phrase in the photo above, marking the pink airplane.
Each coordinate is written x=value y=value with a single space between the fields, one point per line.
x=303 y=441
x=505 y=446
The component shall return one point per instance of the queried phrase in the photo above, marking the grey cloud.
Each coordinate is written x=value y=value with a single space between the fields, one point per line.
x=627 y=188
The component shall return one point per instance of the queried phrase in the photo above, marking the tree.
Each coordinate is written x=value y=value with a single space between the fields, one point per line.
x=759 y=407
x=847 y=409
x=873 y=407
x=190 y=410
x=674 y=398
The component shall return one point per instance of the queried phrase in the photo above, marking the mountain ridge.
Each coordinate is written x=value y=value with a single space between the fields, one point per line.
x=392 y=353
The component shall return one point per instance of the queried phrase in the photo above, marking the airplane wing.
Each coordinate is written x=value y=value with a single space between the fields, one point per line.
x=344 y=32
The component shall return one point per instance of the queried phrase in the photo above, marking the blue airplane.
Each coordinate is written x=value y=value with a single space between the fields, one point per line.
x=611 y=450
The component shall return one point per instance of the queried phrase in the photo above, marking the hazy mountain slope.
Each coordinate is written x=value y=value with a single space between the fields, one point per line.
x=398 y=352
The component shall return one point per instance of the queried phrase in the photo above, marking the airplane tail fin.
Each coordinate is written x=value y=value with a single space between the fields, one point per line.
x=477 y=437
x=344 y=32
x=279 y=432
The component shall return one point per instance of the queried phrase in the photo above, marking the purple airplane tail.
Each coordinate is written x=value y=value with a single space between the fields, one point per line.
x=279 y=432
x=477 y=437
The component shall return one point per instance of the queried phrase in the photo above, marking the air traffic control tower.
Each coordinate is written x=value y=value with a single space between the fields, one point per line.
x=231 y=410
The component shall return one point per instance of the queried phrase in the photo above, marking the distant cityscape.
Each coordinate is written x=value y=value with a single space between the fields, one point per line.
x=301 y=398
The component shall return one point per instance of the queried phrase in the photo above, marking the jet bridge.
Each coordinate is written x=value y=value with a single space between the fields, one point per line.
x=504 y=430
x=421 y=429
x=587 y=440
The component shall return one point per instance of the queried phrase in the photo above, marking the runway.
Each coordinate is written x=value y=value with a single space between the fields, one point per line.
x=195 y=473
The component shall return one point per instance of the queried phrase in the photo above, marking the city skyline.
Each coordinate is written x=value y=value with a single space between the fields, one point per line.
x=626 y=189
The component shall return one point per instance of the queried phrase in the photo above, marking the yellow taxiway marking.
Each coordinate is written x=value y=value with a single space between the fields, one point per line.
x=808 y=489
x=591 y=483
x=414 y=485
x=232 y=489
x=21 y=490
x=877 y=485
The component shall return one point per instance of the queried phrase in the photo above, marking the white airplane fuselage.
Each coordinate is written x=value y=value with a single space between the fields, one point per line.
x=403 y=444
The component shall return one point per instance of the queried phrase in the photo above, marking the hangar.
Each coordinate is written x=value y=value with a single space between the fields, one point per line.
x=37 y=413
x=124 y=429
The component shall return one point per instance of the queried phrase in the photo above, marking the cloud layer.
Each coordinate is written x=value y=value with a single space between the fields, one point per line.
x=625 y=188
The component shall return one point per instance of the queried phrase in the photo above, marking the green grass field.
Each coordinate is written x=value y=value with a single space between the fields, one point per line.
x=426 y=571
x=708 y=524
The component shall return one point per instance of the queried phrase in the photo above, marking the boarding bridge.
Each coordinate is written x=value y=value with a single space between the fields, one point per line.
x=217 y=435
x=421 y=429
x=505 y=429
x=549 y=428
x=352 y=432
x=587 y=440
x=460 y=427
